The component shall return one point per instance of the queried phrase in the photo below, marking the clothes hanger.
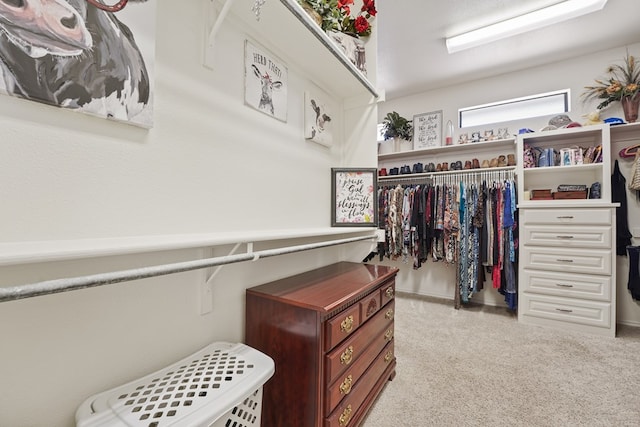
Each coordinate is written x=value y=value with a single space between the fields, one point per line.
x=629 y=151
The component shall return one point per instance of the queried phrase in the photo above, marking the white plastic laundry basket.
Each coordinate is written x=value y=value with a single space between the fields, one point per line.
x=220 y=385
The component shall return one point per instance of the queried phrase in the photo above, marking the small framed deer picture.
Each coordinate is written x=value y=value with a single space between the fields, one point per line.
x=265 y=79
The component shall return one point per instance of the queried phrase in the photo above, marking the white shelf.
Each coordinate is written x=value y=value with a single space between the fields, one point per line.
x=287 y=27
x=450 y=149
x=564 y=137
x=567 y=169
x=629 y=131
x=571 y=203
x=12 y=253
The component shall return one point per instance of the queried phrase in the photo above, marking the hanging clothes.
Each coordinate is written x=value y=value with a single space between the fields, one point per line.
x=619 y=195
x=468 y=221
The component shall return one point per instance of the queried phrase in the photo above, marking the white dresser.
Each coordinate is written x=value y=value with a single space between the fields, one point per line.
x=567 y=269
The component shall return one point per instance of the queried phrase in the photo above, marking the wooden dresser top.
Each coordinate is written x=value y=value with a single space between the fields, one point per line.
x=326 y=288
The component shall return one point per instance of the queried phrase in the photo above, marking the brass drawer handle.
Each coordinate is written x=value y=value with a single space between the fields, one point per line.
x=389 y=314
x=562 y=285
x=345 y=417
x=389 y=292
x=347 y=324
x=388 y=335
x=564 y=310
x=564 y=260
x=347 y=356
x=345 y=387
x=388 y=356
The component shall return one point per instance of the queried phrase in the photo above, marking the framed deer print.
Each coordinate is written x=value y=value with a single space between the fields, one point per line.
x=265 y=82
x=99 y=60
x=354 y=197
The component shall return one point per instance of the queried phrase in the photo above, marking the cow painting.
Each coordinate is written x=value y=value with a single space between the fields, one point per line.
x=75 y=54
x=268 y=86
x=317 y=119
x=265 y=82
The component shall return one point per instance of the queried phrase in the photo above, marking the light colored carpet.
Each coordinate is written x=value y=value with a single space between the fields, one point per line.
x=478 y=366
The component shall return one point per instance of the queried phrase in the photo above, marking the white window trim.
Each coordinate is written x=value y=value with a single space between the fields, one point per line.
x=509 y=110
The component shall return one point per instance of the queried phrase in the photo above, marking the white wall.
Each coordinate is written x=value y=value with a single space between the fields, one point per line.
x=210 y=164
x=436 y=279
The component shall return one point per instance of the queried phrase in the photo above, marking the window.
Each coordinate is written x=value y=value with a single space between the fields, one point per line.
x=542 y=104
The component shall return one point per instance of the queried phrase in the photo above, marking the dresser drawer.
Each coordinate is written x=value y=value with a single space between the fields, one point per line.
x=388 y=292
x=350 y=405
x=369 y=306
x=341 y=326
x=589 y=313
x=587 y=261
x=583 y=286
x=566 y=216
x=340 y=358
x=568 y=236
x=343 y=386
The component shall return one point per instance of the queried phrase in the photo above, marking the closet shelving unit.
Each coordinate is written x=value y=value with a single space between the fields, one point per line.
x=473 y=147
x=567 y=269
x=480 y=150
x=448 y=153
x=550 y=177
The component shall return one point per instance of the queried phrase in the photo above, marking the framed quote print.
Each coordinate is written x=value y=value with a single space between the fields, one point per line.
x=353 y=197
x=427 y=130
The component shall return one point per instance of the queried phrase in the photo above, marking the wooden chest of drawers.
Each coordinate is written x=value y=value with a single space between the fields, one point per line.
x=330 y=333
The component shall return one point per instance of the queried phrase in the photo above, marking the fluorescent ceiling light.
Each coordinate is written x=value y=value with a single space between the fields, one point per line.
x=537 y=19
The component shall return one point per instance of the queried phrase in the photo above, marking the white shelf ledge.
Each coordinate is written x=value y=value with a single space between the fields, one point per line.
x=569 y=168
x=289 y=28
x=12 y=253
x=571 y=203
x=450 y=149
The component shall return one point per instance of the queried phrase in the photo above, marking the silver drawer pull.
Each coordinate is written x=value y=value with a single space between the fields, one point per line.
x=564 y=237
x=564 y=260
x=566 y=217
x=562 y=285
x=564 y=310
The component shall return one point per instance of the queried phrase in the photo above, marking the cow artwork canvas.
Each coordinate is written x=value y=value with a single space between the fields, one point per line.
x=265 y=82
x=90 y=56
x=317 y=119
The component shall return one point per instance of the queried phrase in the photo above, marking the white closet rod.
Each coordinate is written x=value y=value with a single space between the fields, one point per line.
x=47 y=287
x=487 y=175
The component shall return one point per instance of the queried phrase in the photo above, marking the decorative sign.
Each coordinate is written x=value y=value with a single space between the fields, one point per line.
x=427 y=130
x=265 y=79
x=353 y=194
x=317 y=119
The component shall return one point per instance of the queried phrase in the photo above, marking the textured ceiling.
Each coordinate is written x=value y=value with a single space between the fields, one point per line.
x=412 y=56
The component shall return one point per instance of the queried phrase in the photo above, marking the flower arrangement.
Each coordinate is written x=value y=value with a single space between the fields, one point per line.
x=622 y=81
x=336 y=15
